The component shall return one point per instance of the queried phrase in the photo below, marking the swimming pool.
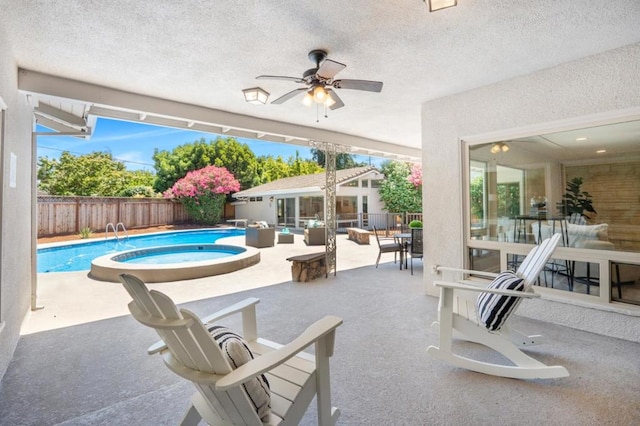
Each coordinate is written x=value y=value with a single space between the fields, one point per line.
x=78 y=256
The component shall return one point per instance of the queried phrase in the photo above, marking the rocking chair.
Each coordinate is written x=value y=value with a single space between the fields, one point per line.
x=483 y=320
x=241 y=380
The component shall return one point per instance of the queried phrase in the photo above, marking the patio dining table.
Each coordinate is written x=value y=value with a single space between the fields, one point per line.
x=404 y=239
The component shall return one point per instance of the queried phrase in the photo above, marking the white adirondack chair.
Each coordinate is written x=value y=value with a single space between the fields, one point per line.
x=189 y=350
x=457 y=316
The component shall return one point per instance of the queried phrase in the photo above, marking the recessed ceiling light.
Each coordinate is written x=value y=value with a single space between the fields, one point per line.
x=581 y=139
x=601 y=151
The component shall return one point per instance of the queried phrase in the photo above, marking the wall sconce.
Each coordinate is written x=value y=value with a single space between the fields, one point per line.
x=256 y=95
x=440 y=4
x=271 y=199
x=499 y=147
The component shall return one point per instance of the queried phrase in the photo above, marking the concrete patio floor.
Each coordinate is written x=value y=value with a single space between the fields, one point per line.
x=82 y=359
x=73 y=298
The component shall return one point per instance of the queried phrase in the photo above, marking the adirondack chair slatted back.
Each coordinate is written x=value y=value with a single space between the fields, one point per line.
x=537 y=258
x=191 y=349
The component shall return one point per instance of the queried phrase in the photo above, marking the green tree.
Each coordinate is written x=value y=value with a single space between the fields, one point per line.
x=397 y=191
x=299 y=167
x=272 y=168
x=94 y=174
x=236 y=157
x=344 y=160
x=477 y=197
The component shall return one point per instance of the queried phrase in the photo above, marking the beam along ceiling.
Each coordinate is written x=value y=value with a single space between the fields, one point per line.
x=206 y=53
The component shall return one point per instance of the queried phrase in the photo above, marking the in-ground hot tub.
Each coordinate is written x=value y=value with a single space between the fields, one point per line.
x=174 y=263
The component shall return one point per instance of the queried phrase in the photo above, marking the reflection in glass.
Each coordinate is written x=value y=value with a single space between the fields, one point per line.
x=584 y=184
x=553 y=176
x=625 y=282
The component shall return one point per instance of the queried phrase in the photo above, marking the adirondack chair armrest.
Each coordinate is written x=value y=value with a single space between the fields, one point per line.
x=466 y=271
x=467 y=287
x=233 y=309
x=246 y=306
x=323 y=328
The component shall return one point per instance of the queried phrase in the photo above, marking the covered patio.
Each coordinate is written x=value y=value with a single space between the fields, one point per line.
x=82 y=359
x=473 y=74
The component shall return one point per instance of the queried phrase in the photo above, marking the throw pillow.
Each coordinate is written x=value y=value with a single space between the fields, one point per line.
x=494 y=309
x=580 y=234
x=236 y=351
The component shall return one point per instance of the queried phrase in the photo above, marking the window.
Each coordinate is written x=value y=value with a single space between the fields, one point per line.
x=365 y=183
x=286 y=211
x=353 y=183
x=311 y=208
x=583 y=183
x=375 y=183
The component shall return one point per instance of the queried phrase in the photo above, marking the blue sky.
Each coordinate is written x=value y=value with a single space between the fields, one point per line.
x=134 y=143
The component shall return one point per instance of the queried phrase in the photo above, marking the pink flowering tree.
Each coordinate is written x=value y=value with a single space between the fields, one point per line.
x=203 y=193
x=415 y=176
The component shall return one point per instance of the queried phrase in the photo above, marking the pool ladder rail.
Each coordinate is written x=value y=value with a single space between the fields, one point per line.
x=115 y=230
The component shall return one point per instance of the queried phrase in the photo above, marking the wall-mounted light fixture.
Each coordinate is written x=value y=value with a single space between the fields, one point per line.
x=499 y=147
x=271 y=199
x=440 y=4
x=256 y=95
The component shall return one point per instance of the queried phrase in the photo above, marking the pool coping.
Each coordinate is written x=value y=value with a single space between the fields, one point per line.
x=104 y=268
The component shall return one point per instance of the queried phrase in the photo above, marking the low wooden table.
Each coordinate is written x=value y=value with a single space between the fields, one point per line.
x=360 y=236
x=308 y=267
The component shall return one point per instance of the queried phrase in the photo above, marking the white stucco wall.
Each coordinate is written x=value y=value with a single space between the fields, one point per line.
x=16 y=237
x=599 y=84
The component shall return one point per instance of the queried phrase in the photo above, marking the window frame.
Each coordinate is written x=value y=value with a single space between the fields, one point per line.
x=603 y=258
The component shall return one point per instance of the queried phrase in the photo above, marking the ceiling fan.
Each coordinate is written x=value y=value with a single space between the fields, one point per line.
x=320 y=83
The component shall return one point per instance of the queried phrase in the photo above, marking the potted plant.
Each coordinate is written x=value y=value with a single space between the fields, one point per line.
x=415 y=224
x=575 y=201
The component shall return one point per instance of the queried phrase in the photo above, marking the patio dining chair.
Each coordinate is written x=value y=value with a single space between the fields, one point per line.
x=416 y=245
x=484 y=318
x=392 y=246
x=240 y=379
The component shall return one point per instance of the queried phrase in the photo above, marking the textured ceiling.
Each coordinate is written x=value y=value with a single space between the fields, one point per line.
x=205 y=52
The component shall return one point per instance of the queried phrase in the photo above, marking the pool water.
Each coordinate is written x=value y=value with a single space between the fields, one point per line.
x=78 y=256
x=179 y=254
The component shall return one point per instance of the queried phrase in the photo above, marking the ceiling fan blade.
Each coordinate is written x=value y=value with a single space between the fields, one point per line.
x=284 y=98
x=367 y=85
x=334 y=96
x=329 y=69
x=279 y=77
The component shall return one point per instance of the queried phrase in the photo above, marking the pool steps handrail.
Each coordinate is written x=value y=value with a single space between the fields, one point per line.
x=121 y=225
x=115 y=230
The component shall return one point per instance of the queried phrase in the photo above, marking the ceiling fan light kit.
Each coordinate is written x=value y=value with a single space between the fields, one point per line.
x=320 y=83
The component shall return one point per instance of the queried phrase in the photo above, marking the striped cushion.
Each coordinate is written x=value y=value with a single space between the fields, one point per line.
x=494 y=309
x=236 y=351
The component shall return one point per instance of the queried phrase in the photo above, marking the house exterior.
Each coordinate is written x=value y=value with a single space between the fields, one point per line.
x=293 y=201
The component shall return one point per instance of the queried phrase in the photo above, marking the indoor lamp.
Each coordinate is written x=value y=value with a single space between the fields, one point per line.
x=499 y=147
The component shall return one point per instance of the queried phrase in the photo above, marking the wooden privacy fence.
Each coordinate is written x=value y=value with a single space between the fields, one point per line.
x=68 y=215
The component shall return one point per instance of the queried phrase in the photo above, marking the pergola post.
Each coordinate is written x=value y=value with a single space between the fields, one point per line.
x=330 y=206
